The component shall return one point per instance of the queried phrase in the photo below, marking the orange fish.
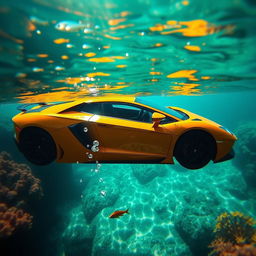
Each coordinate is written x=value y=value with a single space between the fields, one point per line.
x=117 y=214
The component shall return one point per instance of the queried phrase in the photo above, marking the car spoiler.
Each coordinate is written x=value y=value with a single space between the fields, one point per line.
x=25 y=107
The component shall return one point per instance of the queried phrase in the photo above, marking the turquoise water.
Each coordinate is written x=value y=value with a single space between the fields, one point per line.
x=196 y=55
x=145 y=47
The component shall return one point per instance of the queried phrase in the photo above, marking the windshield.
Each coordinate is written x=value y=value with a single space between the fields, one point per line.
x=176 y=113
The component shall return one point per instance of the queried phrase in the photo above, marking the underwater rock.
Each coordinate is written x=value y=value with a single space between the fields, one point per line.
x=239 y=194
x=18 y=187
x=246 y=152
x=195 y=231
x=161 y=210
x=137 y=236
x=98 y=194
x=237 y=187
x=174 y=215
x=194 y=223
x=78 y=236
x=146 y=245
x=146 y=173
x=101 y=246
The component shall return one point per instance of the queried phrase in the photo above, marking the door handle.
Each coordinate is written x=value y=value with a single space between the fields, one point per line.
x=104 y=125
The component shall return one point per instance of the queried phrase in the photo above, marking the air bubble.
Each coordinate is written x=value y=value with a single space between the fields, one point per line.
x=59 y=68
x=36 y=69
x=95 y=149
x=85 y=129
x=96 y=143
x=86 y=46
x=69 y=45
x=103 y=192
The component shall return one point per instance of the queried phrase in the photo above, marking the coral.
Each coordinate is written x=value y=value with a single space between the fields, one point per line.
x=221 y=248
x=235 y=234
x=18 y=187
x=236 y=228
x=17 y=181
x=145 y=173
x=12 y=219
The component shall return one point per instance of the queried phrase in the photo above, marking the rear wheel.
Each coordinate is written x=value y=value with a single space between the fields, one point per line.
x=37 y=146
x=195 y=149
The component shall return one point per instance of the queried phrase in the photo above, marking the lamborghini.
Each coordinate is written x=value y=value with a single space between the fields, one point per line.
x=119 y=130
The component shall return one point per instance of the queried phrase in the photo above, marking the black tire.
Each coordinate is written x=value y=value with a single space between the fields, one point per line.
x=195 y=149
x=37 y=146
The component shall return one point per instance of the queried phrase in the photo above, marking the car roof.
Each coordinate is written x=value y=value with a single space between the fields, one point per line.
x=66 y=105
x=109 y=99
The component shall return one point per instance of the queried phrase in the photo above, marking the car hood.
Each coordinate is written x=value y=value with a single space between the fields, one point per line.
x=195 y=117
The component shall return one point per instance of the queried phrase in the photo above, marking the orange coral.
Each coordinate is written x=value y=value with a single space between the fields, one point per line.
x=17 y=181
x=12 y=219
x=236 y=228
x=221 y=248
x=18 y=187
x=235 y=235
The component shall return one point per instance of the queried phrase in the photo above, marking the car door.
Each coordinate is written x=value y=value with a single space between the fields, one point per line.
x=74 y=133
x=126 y=134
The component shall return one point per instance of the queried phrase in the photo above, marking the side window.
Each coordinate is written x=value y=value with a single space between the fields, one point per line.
x=93 y=108
x=120 y=110
x=127 y=111
x=168 y=120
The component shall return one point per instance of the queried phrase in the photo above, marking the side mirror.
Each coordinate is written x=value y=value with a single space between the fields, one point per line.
x=156 y=118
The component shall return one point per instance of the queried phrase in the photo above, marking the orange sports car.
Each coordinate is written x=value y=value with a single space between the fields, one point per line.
x=119 y=130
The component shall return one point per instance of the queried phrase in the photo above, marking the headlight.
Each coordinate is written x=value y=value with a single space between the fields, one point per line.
x=224 y=128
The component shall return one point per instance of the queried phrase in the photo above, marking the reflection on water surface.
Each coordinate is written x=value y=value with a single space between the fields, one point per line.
x=58 y=50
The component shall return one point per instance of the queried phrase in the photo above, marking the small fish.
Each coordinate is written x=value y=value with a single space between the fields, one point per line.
x=117 y=214
x=70 y=26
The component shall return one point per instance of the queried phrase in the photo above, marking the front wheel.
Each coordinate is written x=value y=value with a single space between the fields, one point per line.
x=195 y=149
x=37 y=146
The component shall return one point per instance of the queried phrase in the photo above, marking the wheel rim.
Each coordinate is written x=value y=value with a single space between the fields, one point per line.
x=194 y=150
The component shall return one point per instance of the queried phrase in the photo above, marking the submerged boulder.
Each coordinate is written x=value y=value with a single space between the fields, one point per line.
x=99 y=194
x=146 y=173
x=246 y=152
x=194 y=222
x=78 y=236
